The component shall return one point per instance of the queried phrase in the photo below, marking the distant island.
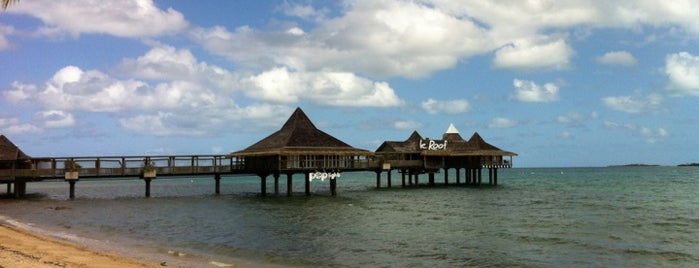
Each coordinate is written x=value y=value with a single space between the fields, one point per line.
x=689 y=165
x=635 y=165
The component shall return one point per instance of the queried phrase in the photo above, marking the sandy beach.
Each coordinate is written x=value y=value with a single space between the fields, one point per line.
x=20 y=248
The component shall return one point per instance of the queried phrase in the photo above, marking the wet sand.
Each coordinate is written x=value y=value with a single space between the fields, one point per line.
x=20 y=248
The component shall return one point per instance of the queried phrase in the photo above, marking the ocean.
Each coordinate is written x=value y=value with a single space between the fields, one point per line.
x=535 y=217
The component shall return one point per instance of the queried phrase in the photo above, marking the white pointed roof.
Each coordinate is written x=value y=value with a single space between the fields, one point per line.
x=452 y=129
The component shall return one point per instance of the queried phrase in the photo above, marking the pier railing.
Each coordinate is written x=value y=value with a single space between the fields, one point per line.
x=127 y=166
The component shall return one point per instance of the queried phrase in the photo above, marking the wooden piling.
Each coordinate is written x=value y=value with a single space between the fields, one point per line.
x=288 y=184
x=263 y=184
x=430 y=178
x=147 y=180
x=308 y=183
x=217 y=179
x=458 y=176
x=378 y=179
x=276 y=183
x=446 y=176
x=388 y=178
x=402 y=180
x=333 y=187
x=71 y=192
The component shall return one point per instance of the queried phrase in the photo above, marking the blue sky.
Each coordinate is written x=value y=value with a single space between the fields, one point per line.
x=562 y=83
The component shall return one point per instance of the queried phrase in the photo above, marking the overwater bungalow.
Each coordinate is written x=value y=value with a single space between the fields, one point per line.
x=416 y=156
x=12 y=159
x=300 y=147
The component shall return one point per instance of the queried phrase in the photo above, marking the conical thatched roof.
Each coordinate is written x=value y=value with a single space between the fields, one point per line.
x=452 y=134
x=407 y=146
x=299 y=136
x=9 y=151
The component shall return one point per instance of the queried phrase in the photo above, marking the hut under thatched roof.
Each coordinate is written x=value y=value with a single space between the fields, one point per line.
x=299 y=136
x=9 y=151
x=11 y=156
x=300 y=146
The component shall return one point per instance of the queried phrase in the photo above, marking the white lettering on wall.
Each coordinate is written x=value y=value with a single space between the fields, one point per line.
x=433 y=145
x=324 y=175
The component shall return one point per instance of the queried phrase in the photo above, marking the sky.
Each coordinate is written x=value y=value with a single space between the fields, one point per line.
x=561 y=83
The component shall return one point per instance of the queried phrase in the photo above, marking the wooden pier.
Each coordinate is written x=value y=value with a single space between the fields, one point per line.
x=297 y=148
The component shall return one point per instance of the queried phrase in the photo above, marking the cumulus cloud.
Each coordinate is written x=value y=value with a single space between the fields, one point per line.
x=502 y=122
x=14 y=126
x=634 y=104
x=528 y=91
x=683 y=71
x=119 y=18
x=539 y=52
x=456 y=106
x=621 y=58
x=326 y=88
x=168 y=63
x=649 y=134
x=378 y=38
x=407 y=125
x=55 y=119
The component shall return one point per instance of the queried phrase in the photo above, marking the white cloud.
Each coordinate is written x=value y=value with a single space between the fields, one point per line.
x=13 y=126
x=326 y=88
x=167 y=63
x=634 y=104
x=4 y=32
x=528 y=91
x=539 y=52
x=456 y=106
x=622 y=58
x=377 y=38
x=119 y=18
x=649 y=134
x=683 y=71
x=55 y=119
x=407 y=125
x=502 y=122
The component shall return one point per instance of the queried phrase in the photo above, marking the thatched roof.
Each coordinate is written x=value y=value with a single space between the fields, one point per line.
x=456 y=146
x=299 y=136
x=9 y=151
x=407 y=146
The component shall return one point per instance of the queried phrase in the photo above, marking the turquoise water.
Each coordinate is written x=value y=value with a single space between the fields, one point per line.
x=557 y=217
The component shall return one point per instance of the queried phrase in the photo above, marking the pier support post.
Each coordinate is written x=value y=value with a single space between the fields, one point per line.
x=402 y=178
x=446 y=176
x=495 y=177
x=288 y=184
x=388 y=179
x=263 y=184
x=417 y=178
x=458 y=176
x=333 y=187
x=147 y=180
x=378 y=179
x=307 y=183
x=71 y=191
x=9 y=188
x=276 y=183
x=431 y=178
x=480 y=176
x=490 y=176
x=410 y=177
x=217 y=179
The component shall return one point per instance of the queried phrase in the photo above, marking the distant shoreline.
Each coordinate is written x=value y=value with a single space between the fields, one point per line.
x=634 y=165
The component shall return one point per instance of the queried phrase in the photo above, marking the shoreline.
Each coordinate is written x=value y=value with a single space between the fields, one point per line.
x=23 y=248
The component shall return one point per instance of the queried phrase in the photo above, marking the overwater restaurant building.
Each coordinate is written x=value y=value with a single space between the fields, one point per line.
x=416 y=156
x=300 y=147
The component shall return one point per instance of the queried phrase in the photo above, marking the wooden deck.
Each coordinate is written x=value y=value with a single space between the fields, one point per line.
x=126 y=166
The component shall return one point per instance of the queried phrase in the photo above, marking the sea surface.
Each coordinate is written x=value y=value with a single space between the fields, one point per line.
x=544 y=217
